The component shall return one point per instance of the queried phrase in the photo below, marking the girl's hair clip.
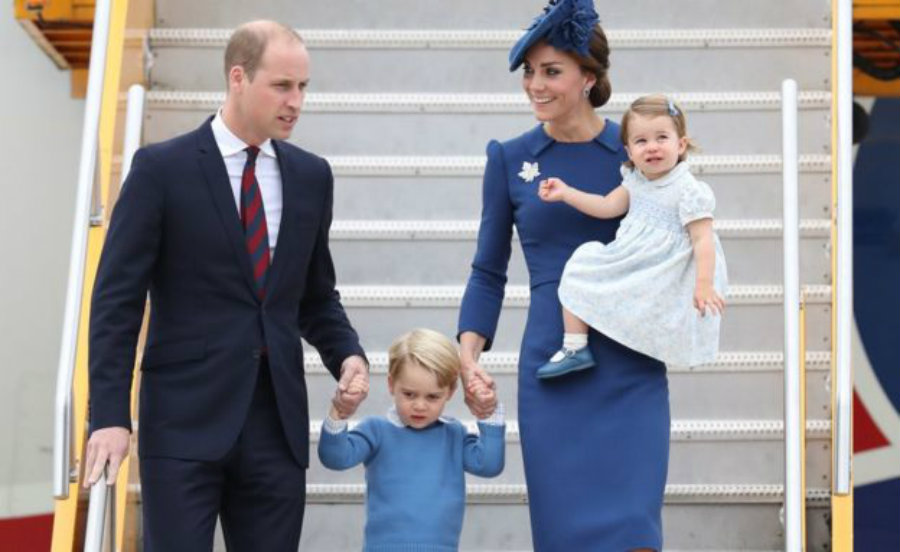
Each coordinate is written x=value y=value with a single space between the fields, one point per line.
x=673 y=111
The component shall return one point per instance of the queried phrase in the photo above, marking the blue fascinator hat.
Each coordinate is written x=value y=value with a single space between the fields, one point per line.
x=565 y=24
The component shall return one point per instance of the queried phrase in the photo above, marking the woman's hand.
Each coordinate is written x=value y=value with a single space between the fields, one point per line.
x=705 y=297
x=479 y=389
x=552 y=189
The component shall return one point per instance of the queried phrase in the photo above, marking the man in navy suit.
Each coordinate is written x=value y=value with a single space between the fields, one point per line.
x=224 y=424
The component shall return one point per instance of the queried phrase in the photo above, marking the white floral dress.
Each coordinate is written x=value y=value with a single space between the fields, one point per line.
x=639 y=288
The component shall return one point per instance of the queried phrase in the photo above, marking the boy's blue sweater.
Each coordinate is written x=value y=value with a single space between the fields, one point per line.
x=416 y=489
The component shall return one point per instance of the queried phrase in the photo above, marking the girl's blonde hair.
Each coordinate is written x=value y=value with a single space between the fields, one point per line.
x=657 y=105
x=427 y=349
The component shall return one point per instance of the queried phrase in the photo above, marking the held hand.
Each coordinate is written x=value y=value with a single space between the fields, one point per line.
x=705 y=297
x=343 y=403
x=479 y=388
x=353 y=386
x=552 y=189
x=109 y=444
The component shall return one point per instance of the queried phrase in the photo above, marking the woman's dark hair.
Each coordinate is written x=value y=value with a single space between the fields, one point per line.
x=597 y=63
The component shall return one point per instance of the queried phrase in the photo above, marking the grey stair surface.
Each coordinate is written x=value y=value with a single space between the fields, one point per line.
x=403 y=98
x=722 y=452
x=425 y=125
x=754 y=320
x=449 y=246
x=339 y=69
x=725 y=391
x=506 y=14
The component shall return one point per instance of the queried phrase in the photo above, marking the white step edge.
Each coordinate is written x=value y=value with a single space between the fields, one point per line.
x=518 y=297
x=465 y=230
x=474 y=165
x=342 y=493
x=503 y=39
x=516 y=494
x=508 y=362
x=681 y=430
x=485 y=103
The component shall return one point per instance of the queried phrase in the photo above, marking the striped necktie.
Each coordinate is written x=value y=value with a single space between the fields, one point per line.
x=253 y=218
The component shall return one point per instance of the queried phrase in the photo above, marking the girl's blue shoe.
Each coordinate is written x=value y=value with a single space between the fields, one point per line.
x=571 y=361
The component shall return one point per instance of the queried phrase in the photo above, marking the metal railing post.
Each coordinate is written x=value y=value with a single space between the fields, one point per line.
x=843 y=280
x=134 y=122
x=794 y=501
x=62 y=439
x=101 y=516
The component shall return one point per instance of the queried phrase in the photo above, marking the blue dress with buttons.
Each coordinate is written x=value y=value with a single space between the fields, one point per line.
x=595 y=443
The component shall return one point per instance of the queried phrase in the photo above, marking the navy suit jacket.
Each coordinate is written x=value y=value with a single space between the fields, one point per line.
x=176 y=233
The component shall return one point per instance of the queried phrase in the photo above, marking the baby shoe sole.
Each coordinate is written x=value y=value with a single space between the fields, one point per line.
x=576 y=368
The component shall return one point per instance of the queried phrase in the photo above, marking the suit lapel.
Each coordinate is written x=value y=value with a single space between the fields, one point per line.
x=213 y=167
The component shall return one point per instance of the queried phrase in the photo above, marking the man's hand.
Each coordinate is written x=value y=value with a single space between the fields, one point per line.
x=353 y=387
x=479 y=388
x=109 y=444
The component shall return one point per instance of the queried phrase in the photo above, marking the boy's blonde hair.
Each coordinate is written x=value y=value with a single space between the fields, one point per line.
x=428 y=349
x=657 y=105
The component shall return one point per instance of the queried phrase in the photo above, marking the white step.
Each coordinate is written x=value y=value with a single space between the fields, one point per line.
x=356 y=60
x=719 y=526
x=456 y=166
x=488 y=103
x=507 y=362
x=681 y=430
x=702 y=452
x=753 y=321
x=517 y=296
x=503 y=39
x=516 y=494
x=367 y=251
x=464 y=230
x=458 y=196
x=478 y=14
x=743 y=385
x=445 y=124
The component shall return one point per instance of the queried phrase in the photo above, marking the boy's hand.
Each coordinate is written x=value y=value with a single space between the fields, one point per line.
x=552 y=189
x=479 y=390
x=353 y=387
x=488 y=397
x=344 y=403
x=705 y=297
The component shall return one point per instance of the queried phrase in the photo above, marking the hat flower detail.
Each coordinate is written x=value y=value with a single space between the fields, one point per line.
x=574 y=32
x=529 y=171
x=566 y=25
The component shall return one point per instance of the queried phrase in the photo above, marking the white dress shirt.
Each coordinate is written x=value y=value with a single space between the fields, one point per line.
x=268 y=175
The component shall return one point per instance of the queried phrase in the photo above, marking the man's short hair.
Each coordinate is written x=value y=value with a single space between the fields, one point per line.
x=248 y=44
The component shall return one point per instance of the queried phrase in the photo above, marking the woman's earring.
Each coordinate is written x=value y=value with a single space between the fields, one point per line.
x=587 y=91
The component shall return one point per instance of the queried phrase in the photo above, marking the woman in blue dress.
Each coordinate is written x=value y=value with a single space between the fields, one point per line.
x=595 y=443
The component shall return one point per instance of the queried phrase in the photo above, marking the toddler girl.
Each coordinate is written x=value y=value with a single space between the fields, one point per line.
x=657 y=288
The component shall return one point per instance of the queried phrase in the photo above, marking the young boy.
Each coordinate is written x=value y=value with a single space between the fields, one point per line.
x=414 y=457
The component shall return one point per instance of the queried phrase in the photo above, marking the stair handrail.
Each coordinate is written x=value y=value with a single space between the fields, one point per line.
x=843 y=279
x=794 y=499
x=101 y=513
x=101 y=503
x=134 y=125
x=86 y=214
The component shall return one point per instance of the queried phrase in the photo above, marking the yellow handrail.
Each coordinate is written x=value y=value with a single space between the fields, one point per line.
x=69 y=513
